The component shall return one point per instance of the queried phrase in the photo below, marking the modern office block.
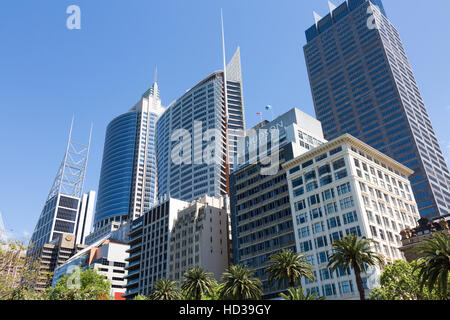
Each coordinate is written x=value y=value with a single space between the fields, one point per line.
x=128 y=185
x=186 y=141
x=362 y=84
x=347 y=187
x=149 y=240
x=52 y=255
x=67 y=210
x=261 y=217
x=200 y=238
x=107 y=257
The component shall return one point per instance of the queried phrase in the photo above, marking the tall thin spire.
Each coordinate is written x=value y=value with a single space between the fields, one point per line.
x=155 y=80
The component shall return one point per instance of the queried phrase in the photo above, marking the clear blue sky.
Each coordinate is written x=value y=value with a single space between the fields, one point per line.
x=49 y=73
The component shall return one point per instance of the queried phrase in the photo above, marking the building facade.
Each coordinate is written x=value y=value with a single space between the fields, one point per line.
x=107 y=257
x=200 y=238
x=260 y=209
x=54 y=254
x=347 y=187
x=362 y=83
x=413 y=238
x=149 y=240
x=197 y=137
x=128 y=178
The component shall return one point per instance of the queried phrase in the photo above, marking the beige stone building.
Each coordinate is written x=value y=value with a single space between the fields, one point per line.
x=200 y=238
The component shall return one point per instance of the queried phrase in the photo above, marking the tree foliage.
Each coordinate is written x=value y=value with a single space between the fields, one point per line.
x=298 y=294
x=18 y=274
x=89 y=286
x=198 y=283
x=355 y=253
x=435 y=266
x=165 y=289
x=400 y=281
x=239 y=283
x=287 y=268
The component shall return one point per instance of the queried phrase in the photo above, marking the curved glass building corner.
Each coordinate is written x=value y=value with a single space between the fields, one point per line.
x=114 y=190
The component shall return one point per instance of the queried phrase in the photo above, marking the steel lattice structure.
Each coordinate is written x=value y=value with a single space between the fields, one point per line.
x=70 y=177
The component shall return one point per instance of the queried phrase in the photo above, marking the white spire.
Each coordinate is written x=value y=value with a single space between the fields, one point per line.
x=317 y=18
x=331 y=6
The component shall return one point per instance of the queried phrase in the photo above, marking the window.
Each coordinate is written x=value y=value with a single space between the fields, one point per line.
x=333 y=222
x=322 y=257
x=306 y=246
x=334 y=151
x=297 y=182
x=345 y=287
x=329 y=289
x=310 y=175
x=311 y=186
x=324 y=169
x=299 y=206
x=343 y=189
x=302 y=218
x=326 y=180
x=303 y=232
x=347 y=203
x=316 y=213
x=331 y=208
x=298 y=192
x=341 y=174
x=320 y=242
x=355 y=231
x=315 y=199
x=350 y=217
x=338 y=164
x=327 y=194
x=336 y=236
x=318 y=227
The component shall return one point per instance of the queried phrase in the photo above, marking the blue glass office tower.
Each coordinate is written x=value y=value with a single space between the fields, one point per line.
x=128 y=185
x=362 y=84
x=204 y=104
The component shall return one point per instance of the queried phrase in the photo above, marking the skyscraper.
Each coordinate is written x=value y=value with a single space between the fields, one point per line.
x=261 y=218
x=66 y=210
x=362 y=84
x=128 y=185
x=198 y=126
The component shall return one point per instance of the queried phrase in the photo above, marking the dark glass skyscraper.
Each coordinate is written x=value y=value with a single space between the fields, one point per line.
x=362 y=84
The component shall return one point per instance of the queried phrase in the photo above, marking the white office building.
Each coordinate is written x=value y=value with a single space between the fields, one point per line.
x=347 y=187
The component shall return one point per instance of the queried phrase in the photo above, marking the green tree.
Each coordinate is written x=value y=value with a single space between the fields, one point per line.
x=238 y=283
x=287 y=268
x=18 y=274
x=197 y=283
x=354 y=253
x=141 y=297
x=434 y=271
x=165 y=289
x=400 y=281
x=298 y=294
x=86 y=285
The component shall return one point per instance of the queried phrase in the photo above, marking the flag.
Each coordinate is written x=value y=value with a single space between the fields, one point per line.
x=259 y=113
x=268 y=107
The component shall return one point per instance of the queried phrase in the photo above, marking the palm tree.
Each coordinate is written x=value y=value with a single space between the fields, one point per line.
x=354 y=253
x=287 y=268
x=198 y=282
x=298 y=294
x=434 y=265
x=165 y=289
x=238 y=283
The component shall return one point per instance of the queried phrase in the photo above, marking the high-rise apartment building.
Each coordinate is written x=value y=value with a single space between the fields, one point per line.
x=128 y=185
x=347 y=187
x=200 y=237
x=198 y=134
x=66 y=210
x=362 y=84
x=149 y=240
x=261 y=217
